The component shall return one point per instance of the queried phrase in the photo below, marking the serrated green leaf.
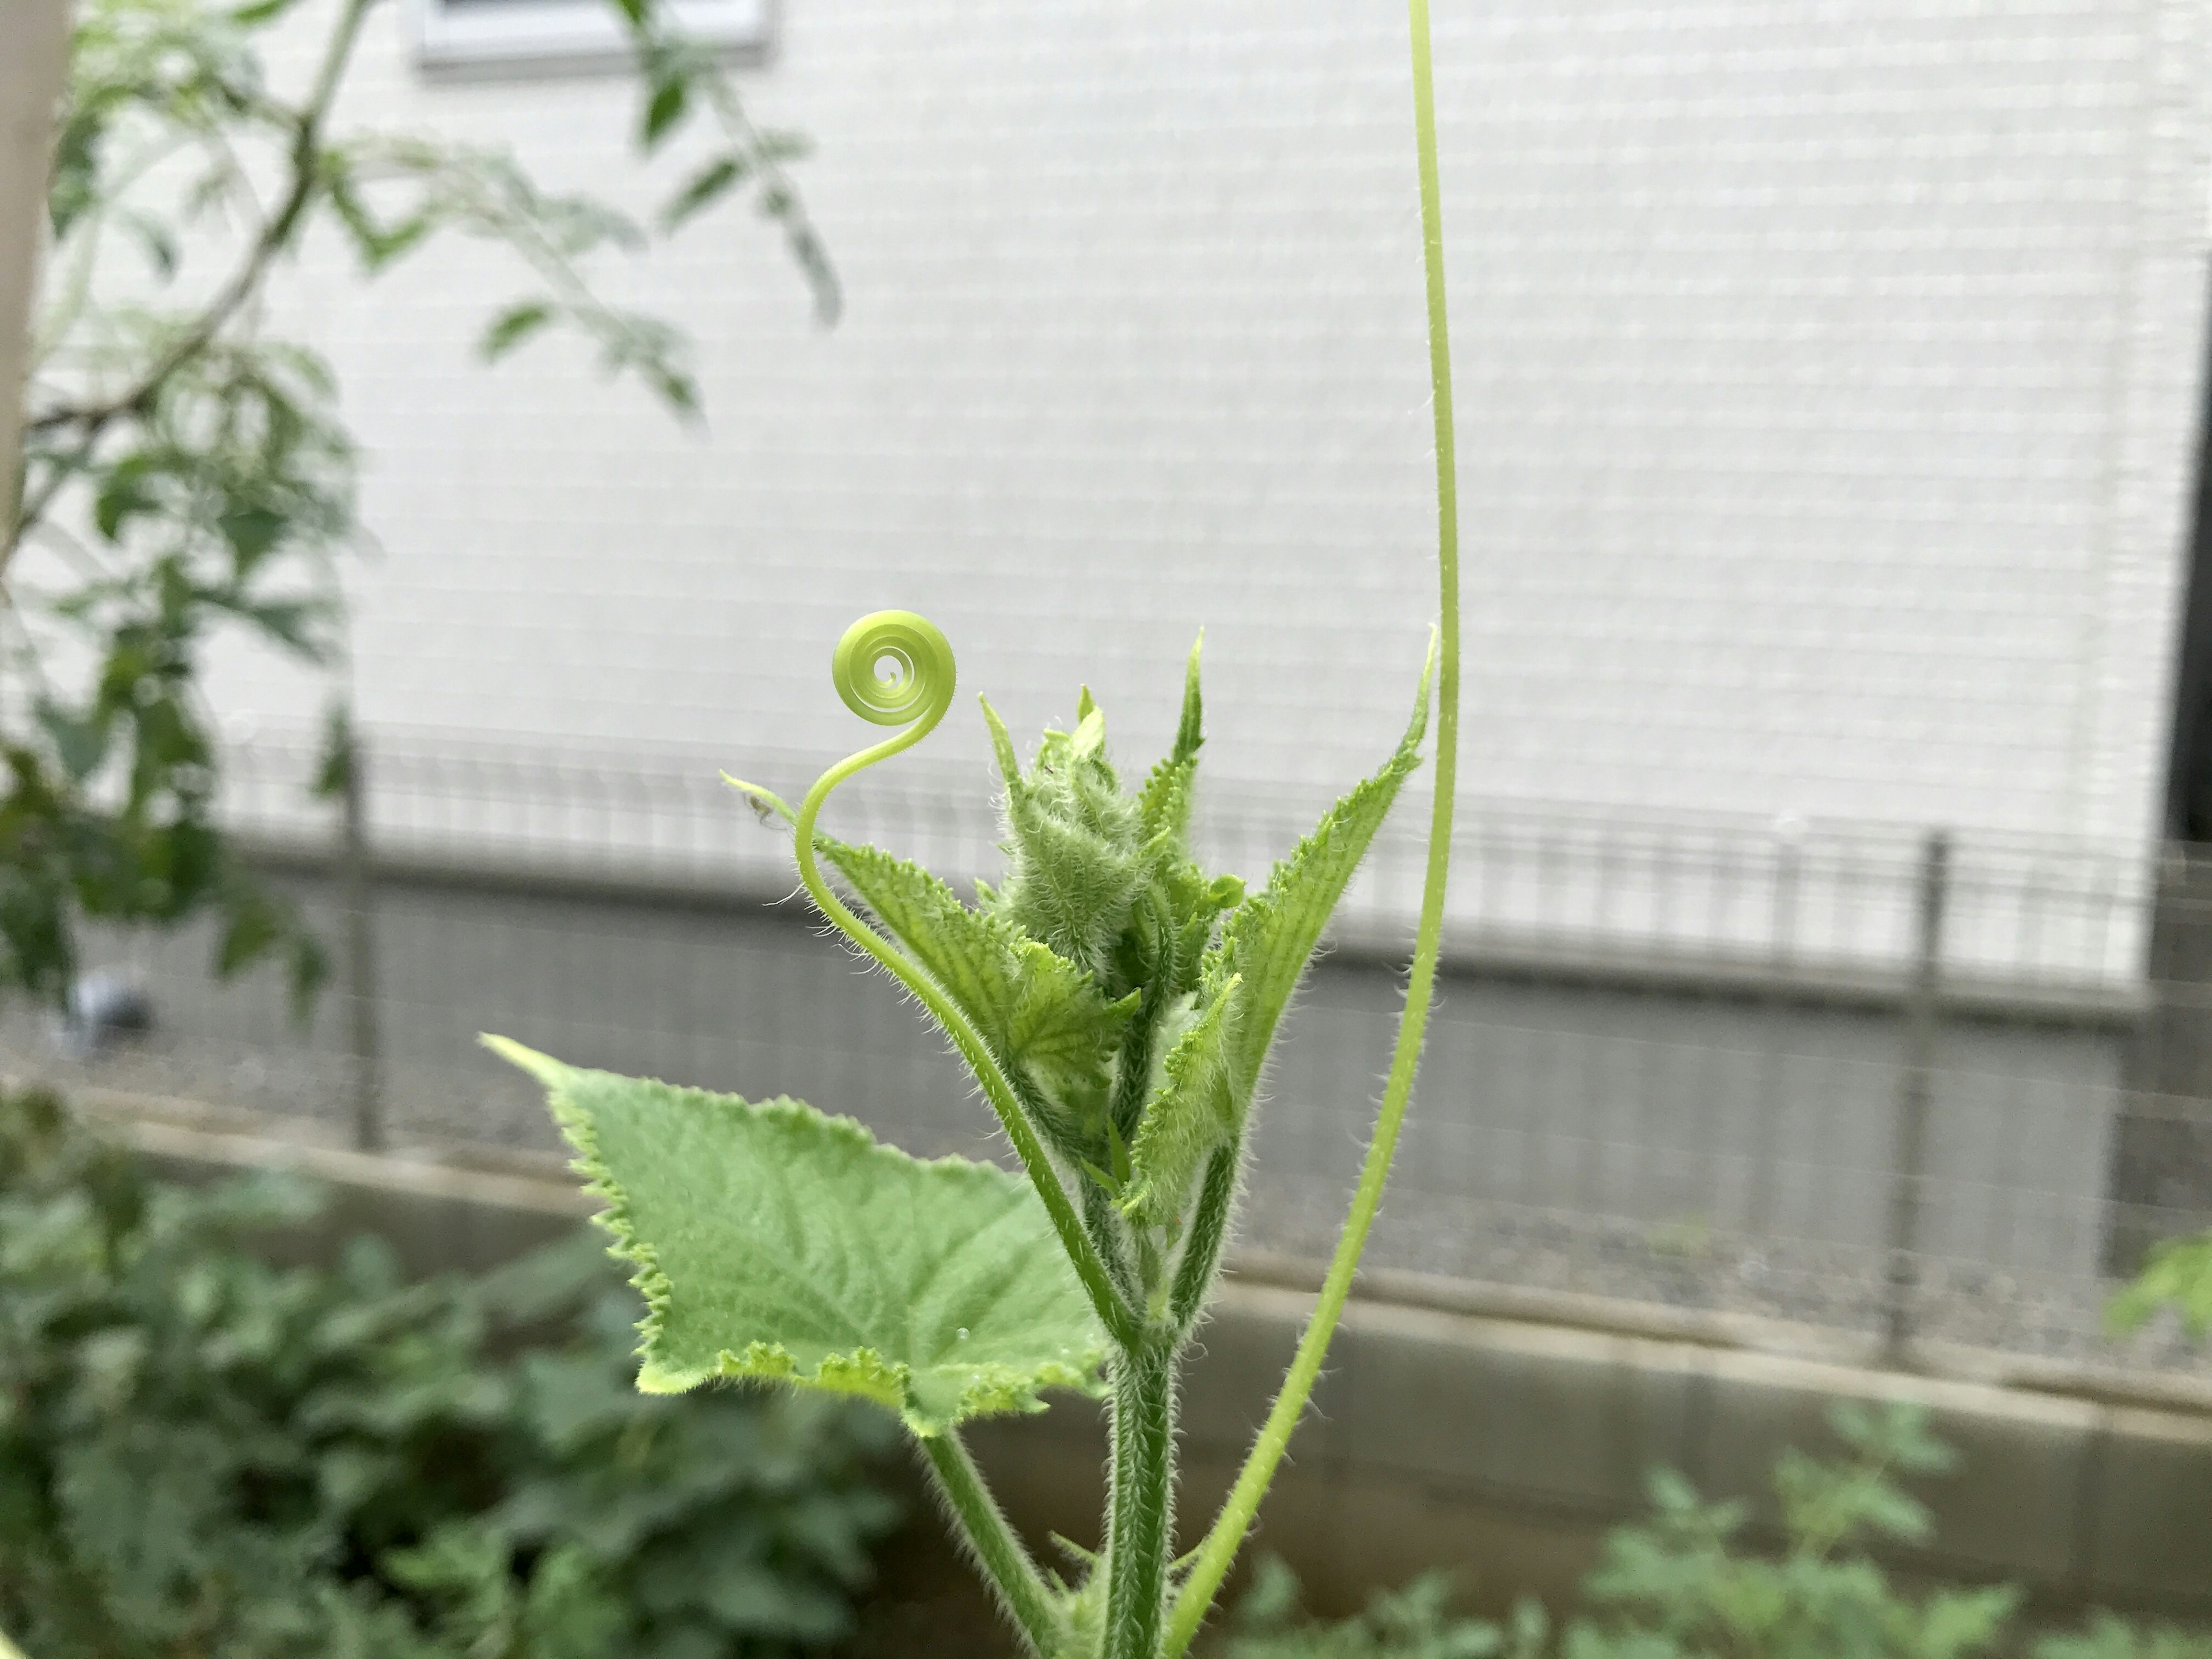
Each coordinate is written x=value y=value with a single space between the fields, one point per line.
x=1040 y=1014
x=772 y=1241
x=1047 y=1022
x=1191 y=1112
x=1272 y=935
x=1165 y=800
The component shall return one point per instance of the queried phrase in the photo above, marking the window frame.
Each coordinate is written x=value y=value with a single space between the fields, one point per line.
x=577 y=34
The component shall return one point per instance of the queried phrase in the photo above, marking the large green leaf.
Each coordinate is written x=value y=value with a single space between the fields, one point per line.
x=772 y=1241
x=1273 y=934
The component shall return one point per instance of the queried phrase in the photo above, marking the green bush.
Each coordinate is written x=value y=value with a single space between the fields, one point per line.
x=2108 y=1637
x=1683 y=1584
x=202 y=1454
x=2179 y=1276
x=1412 y=1623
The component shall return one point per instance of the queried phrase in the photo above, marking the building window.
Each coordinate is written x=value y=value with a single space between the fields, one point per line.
x=579 y=33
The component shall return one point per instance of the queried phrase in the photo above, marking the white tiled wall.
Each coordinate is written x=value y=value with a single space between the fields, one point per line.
x=1828 y=374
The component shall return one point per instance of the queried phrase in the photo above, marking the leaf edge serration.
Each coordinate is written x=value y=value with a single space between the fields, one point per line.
x=864 y=1373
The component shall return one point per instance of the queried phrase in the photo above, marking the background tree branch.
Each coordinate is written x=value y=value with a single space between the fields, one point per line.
x=31 y=72
x=181 y=475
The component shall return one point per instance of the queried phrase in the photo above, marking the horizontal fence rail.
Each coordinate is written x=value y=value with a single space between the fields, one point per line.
x=2043 y=918
x=1914 y=1083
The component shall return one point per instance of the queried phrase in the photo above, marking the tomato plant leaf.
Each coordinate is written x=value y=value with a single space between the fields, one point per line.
x=511 y=327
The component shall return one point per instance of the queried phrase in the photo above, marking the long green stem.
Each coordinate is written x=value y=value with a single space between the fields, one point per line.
x=1229 y=1531
x=1143 y=1502
x=1022 y=1589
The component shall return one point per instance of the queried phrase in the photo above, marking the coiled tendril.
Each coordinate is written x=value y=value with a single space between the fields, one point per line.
x=922 y=672
x=914 y=694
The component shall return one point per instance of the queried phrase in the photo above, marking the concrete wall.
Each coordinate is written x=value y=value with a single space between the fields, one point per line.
x=1666 y=1143
x=1501 y=1448
x=1828 y=377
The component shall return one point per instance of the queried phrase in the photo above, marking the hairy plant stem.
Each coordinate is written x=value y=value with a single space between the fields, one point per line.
x=1228 y=1532
x=1142 y=1505
x=1021 y=1591
x=1209 y=1230
x=1099 y=1218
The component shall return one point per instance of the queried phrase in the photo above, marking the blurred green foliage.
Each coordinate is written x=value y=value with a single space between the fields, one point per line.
x=1413 y=1623
x=1685 y=1583
x=184 y=474
x=2179 y=1276
x=203 y=1454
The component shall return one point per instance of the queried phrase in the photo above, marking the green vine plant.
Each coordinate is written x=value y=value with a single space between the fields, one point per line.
x=1116 y=1004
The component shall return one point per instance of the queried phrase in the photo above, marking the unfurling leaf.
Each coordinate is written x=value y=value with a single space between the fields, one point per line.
x=1044 y=1019
x=1078 y=843
x=774 y=1242
x=1166 y=801
x=1192 y=1111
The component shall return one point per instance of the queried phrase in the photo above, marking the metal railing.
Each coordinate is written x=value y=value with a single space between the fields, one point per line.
x=1910 y=1083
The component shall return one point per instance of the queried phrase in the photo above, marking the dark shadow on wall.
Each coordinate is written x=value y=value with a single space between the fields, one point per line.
x=2160 y=1181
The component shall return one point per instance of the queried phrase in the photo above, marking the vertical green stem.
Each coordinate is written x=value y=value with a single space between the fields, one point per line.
x=1142 y=1504
x=1229 y=1531
x=1209 y=1228
x=1098 y=1215
x=1022 y=1591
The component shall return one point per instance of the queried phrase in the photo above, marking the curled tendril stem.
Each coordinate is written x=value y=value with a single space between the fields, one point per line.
x=916 y=695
